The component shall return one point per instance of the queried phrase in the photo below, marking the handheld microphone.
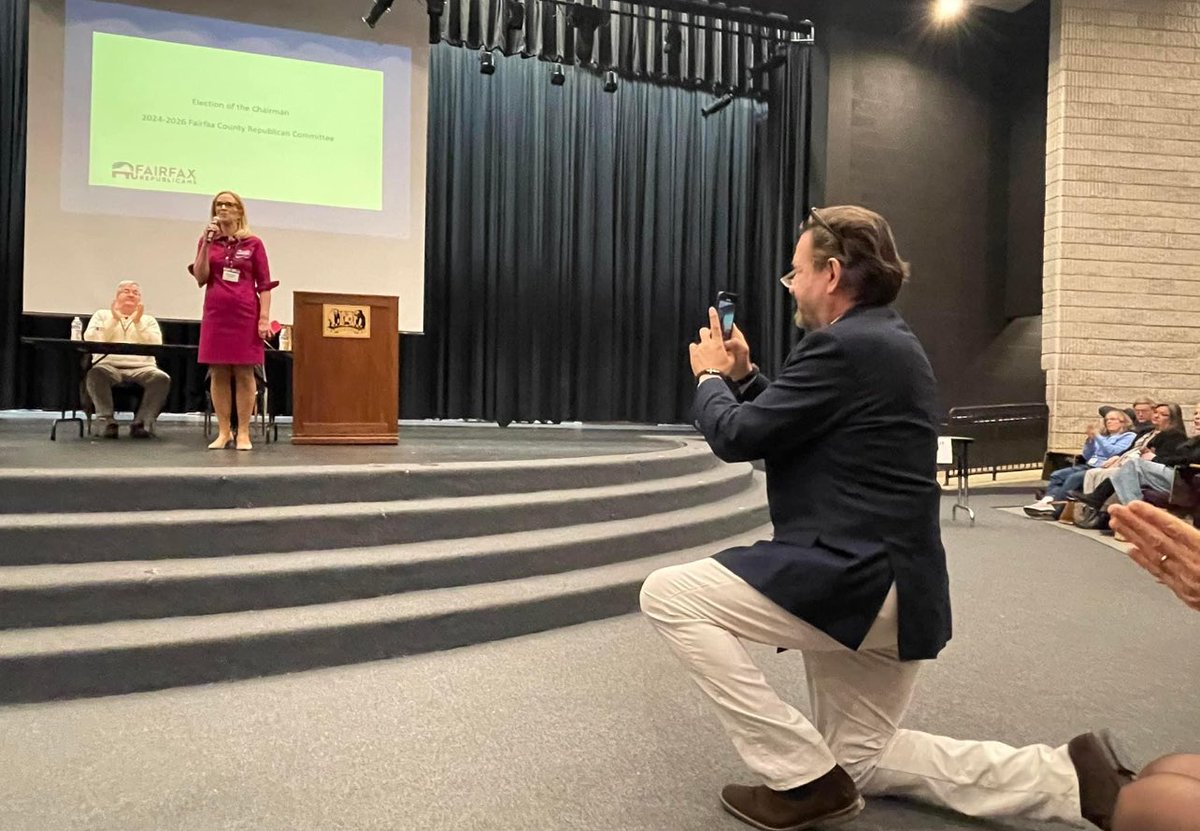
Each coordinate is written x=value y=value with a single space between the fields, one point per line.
x=210 y=235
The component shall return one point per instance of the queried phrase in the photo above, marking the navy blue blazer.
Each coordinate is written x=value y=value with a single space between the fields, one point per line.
x=848 y=434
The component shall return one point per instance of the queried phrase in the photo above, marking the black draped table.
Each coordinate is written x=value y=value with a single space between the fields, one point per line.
x=70 y=356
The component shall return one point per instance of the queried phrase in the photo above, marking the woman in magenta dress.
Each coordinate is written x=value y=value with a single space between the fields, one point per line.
x=231 y=266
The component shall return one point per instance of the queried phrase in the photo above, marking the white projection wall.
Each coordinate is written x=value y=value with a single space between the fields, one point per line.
x=139 y=113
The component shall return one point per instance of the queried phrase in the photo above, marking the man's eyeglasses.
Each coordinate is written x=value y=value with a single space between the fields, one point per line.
x=814 y=218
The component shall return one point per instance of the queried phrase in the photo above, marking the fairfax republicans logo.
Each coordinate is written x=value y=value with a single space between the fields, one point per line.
x=161 y=173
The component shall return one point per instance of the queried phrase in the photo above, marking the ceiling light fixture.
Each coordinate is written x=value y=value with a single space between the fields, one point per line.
x=946 y=10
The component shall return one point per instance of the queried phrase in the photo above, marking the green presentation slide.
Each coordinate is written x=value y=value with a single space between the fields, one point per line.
x=194 y=119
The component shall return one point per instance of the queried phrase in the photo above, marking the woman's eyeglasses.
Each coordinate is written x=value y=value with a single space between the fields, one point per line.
x=225 y=204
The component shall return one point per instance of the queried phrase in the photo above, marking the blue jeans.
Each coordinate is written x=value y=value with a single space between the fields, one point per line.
x=1066 y=479
x=1132 y=476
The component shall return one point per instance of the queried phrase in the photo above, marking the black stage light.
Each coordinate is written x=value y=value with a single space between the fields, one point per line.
x=377 y=11
x=672 y=41
x=435 y=8
x=557 y=76
x=514 y=10
x=770 y=63
x=487 y=63
x=718 y=105
x=610 y=81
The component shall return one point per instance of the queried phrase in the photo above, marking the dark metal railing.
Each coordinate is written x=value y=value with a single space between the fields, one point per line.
x=1007 y=436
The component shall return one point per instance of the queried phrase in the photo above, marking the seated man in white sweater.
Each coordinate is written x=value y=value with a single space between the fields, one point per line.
x=126 y=322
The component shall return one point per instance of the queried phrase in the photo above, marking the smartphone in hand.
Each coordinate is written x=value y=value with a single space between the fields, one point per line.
x=726 y=309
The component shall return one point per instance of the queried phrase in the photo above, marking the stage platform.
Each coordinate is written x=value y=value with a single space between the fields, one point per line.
x=130 y=565
x=25 y=443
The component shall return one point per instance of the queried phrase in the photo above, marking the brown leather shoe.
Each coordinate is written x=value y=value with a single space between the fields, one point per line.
x=827 y=801
x=139 y=431
x=1102 y=770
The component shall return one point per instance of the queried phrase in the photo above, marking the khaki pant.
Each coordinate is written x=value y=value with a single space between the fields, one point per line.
x=154 y=382
x=1093 y=478
x=858 y=699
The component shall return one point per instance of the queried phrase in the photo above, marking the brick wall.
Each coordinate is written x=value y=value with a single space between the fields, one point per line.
x=1121 y=276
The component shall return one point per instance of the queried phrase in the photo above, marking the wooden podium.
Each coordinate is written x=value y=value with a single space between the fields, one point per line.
x=346 y=378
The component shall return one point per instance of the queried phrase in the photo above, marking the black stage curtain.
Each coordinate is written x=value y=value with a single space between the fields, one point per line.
x=14 y=47
x=576 y=238
x=574 y=241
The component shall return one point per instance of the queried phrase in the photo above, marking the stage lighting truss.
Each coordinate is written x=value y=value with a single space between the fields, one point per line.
x=772 y=29
x=777 y=33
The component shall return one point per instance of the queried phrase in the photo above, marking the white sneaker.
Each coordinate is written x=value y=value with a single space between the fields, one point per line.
x=1041 y=509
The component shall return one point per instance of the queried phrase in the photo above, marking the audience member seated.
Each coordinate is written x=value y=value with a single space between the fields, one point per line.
x=1166 y=795
x=1168 y=433
x=1156 y=473
x=126 y=322
x=1114 y=439
x=1143 y=408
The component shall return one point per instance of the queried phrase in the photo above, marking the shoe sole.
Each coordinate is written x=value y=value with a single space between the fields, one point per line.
x=836 y=818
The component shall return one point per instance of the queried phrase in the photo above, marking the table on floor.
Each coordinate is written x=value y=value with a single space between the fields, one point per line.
x=953 y=453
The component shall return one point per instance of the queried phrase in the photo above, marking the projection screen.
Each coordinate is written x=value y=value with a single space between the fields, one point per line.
x=139 y=113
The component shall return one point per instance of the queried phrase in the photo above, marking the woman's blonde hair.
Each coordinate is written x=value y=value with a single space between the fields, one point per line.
x=243 y=224
x=1126 y=422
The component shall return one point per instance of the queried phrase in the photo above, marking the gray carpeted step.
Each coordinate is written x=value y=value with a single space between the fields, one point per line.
x=126 y=656
x=29 y=539
x=51 y=595
x=154 y=489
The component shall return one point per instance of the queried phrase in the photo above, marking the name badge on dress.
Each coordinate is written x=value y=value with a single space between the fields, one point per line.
x=231 y=275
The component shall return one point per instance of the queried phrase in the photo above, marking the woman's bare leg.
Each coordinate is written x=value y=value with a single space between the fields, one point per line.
x=218 y=385
x=246 y=387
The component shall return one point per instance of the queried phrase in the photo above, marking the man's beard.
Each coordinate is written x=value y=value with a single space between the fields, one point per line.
x=804 y=320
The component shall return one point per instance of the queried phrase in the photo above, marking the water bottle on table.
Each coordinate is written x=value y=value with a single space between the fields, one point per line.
x=77 y=329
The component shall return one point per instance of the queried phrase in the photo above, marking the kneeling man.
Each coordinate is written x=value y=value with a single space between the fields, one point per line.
x=855 y=577
x=126 y=322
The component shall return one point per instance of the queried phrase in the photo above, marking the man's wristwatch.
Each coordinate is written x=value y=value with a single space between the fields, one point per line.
x=706 y=372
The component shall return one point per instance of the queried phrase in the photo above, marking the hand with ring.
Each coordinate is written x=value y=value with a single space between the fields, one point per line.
x=1163 y=545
